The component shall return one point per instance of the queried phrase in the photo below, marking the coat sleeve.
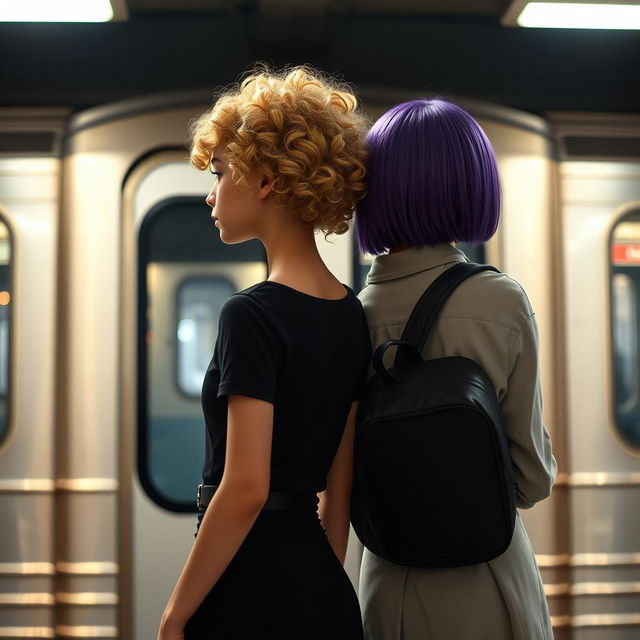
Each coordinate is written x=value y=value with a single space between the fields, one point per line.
x=534 y=466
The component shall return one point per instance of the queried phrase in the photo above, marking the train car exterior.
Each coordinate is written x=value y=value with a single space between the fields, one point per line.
x=31 y=570
x=125 y=273
x=600 y=178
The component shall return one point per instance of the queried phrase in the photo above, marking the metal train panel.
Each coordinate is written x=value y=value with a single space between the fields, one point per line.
x=601 y=193
x=29 y=200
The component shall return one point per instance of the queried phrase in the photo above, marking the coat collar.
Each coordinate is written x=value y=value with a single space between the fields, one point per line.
x=390 y=266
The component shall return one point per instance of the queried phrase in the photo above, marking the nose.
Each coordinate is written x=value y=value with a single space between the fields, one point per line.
x=211 y=198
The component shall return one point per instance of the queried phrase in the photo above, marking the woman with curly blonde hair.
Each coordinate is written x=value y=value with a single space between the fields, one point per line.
x=280 y=396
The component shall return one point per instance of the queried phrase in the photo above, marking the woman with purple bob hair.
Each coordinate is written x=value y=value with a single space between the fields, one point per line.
x=433 y=182
x=432 y=178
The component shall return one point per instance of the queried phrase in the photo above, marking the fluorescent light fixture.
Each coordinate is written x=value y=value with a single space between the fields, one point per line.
x=574 y=15
x=62 y=10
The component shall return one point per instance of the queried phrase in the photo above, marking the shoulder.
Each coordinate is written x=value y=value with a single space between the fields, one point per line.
x=239 y=303
x=492 y=297
x=487 y=296
x=497 y=293
x=253 y=299
x=245 y=308
x=250 y=315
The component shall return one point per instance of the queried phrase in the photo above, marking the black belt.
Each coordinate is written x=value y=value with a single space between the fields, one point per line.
x=276 y=500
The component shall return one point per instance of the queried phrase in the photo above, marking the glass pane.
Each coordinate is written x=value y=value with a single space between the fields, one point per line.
x=185 y=274
x=625 y=281
x=361 y=266
x=199 y=304
x=625 y=343
x=475 y=252
x=5 y=325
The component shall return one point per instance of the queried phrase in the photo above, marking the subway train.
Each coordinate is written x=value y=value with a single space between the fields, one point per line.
x=112 y=277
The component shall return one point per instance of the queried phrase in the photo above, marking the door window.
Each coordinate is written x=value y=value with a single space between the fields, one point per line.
x=625 y=283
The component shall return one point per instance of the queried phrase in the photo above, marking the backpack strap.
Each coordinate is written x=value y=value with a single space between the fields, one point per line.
x=427 y=309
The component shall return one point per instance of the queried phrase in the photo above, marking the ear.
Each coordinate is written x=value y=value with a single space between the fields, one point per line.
x=265 y=185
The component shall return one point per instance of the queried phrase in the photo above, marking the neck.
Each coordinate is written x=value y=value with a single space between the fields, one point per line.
x=400 y=247
x=292 y=253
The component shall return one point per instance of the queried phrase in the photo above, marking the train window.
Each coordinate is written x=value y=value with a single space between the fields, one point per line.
x=625 y=317
x=475 y=252
x=185 y=273
x=199 y=302
x=5 y=325
x=625 y=342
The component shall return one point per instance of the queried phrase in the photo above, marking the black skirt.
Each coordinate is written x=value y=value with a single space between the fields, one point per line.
x=284 y=582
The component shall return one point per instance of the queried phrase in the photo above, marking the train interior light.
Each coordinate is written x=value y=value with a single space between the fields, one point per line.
x=574 y=15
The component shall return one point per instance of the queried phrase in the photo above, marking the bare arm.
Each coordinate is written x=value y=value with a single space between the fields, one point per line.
x=335 y=500
x=233 y=509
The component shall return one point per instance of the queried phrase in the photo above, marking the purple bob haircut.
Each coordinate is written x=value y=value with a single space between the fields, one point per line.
x=432 y=177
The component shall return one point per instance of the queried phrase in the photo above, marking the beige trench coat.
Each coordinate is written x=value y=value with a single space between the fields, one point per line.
x=489 y=319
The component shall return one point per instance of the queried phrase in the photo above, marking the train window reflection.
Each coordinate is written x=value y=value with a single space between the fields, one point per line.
x=199 y=304
x=475 y=252
x=185 y=273
x=625 y=282
x=625 y=342
x=5 y=326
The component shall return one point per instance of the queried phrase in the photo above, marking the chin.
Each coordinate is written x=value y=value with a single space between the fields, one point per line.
x=228 y=238
x=243 y=233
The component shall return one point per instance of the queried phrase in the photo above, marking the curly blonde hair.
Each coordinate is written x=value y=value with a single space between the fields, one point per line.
x=303 y=127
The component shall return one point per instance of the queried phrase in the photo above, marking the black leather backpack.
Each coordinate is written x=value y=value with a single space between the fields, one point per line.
x=433 y=484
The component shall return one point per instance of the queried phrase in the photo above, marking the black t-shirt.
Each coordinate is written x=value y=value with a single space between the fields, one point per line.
x=308 y=356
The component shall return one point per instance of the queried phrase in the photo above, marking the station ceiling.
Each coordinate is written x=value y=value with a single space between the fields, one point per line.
x=423 y=7
x=473 y=7
x=446 y=47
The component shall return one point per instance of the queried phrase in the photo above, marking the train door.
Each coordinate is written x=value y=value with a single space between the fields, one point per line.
x=600 y=180
x=184 y=273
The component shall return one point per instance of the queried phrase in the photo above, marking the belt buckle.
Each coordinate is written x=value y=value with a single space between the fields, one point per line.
x=198 y=494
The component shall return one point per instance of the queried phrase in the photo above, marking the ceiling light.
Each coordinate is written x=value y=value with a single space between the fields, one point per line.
x=574 y=15
x=62 y=10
